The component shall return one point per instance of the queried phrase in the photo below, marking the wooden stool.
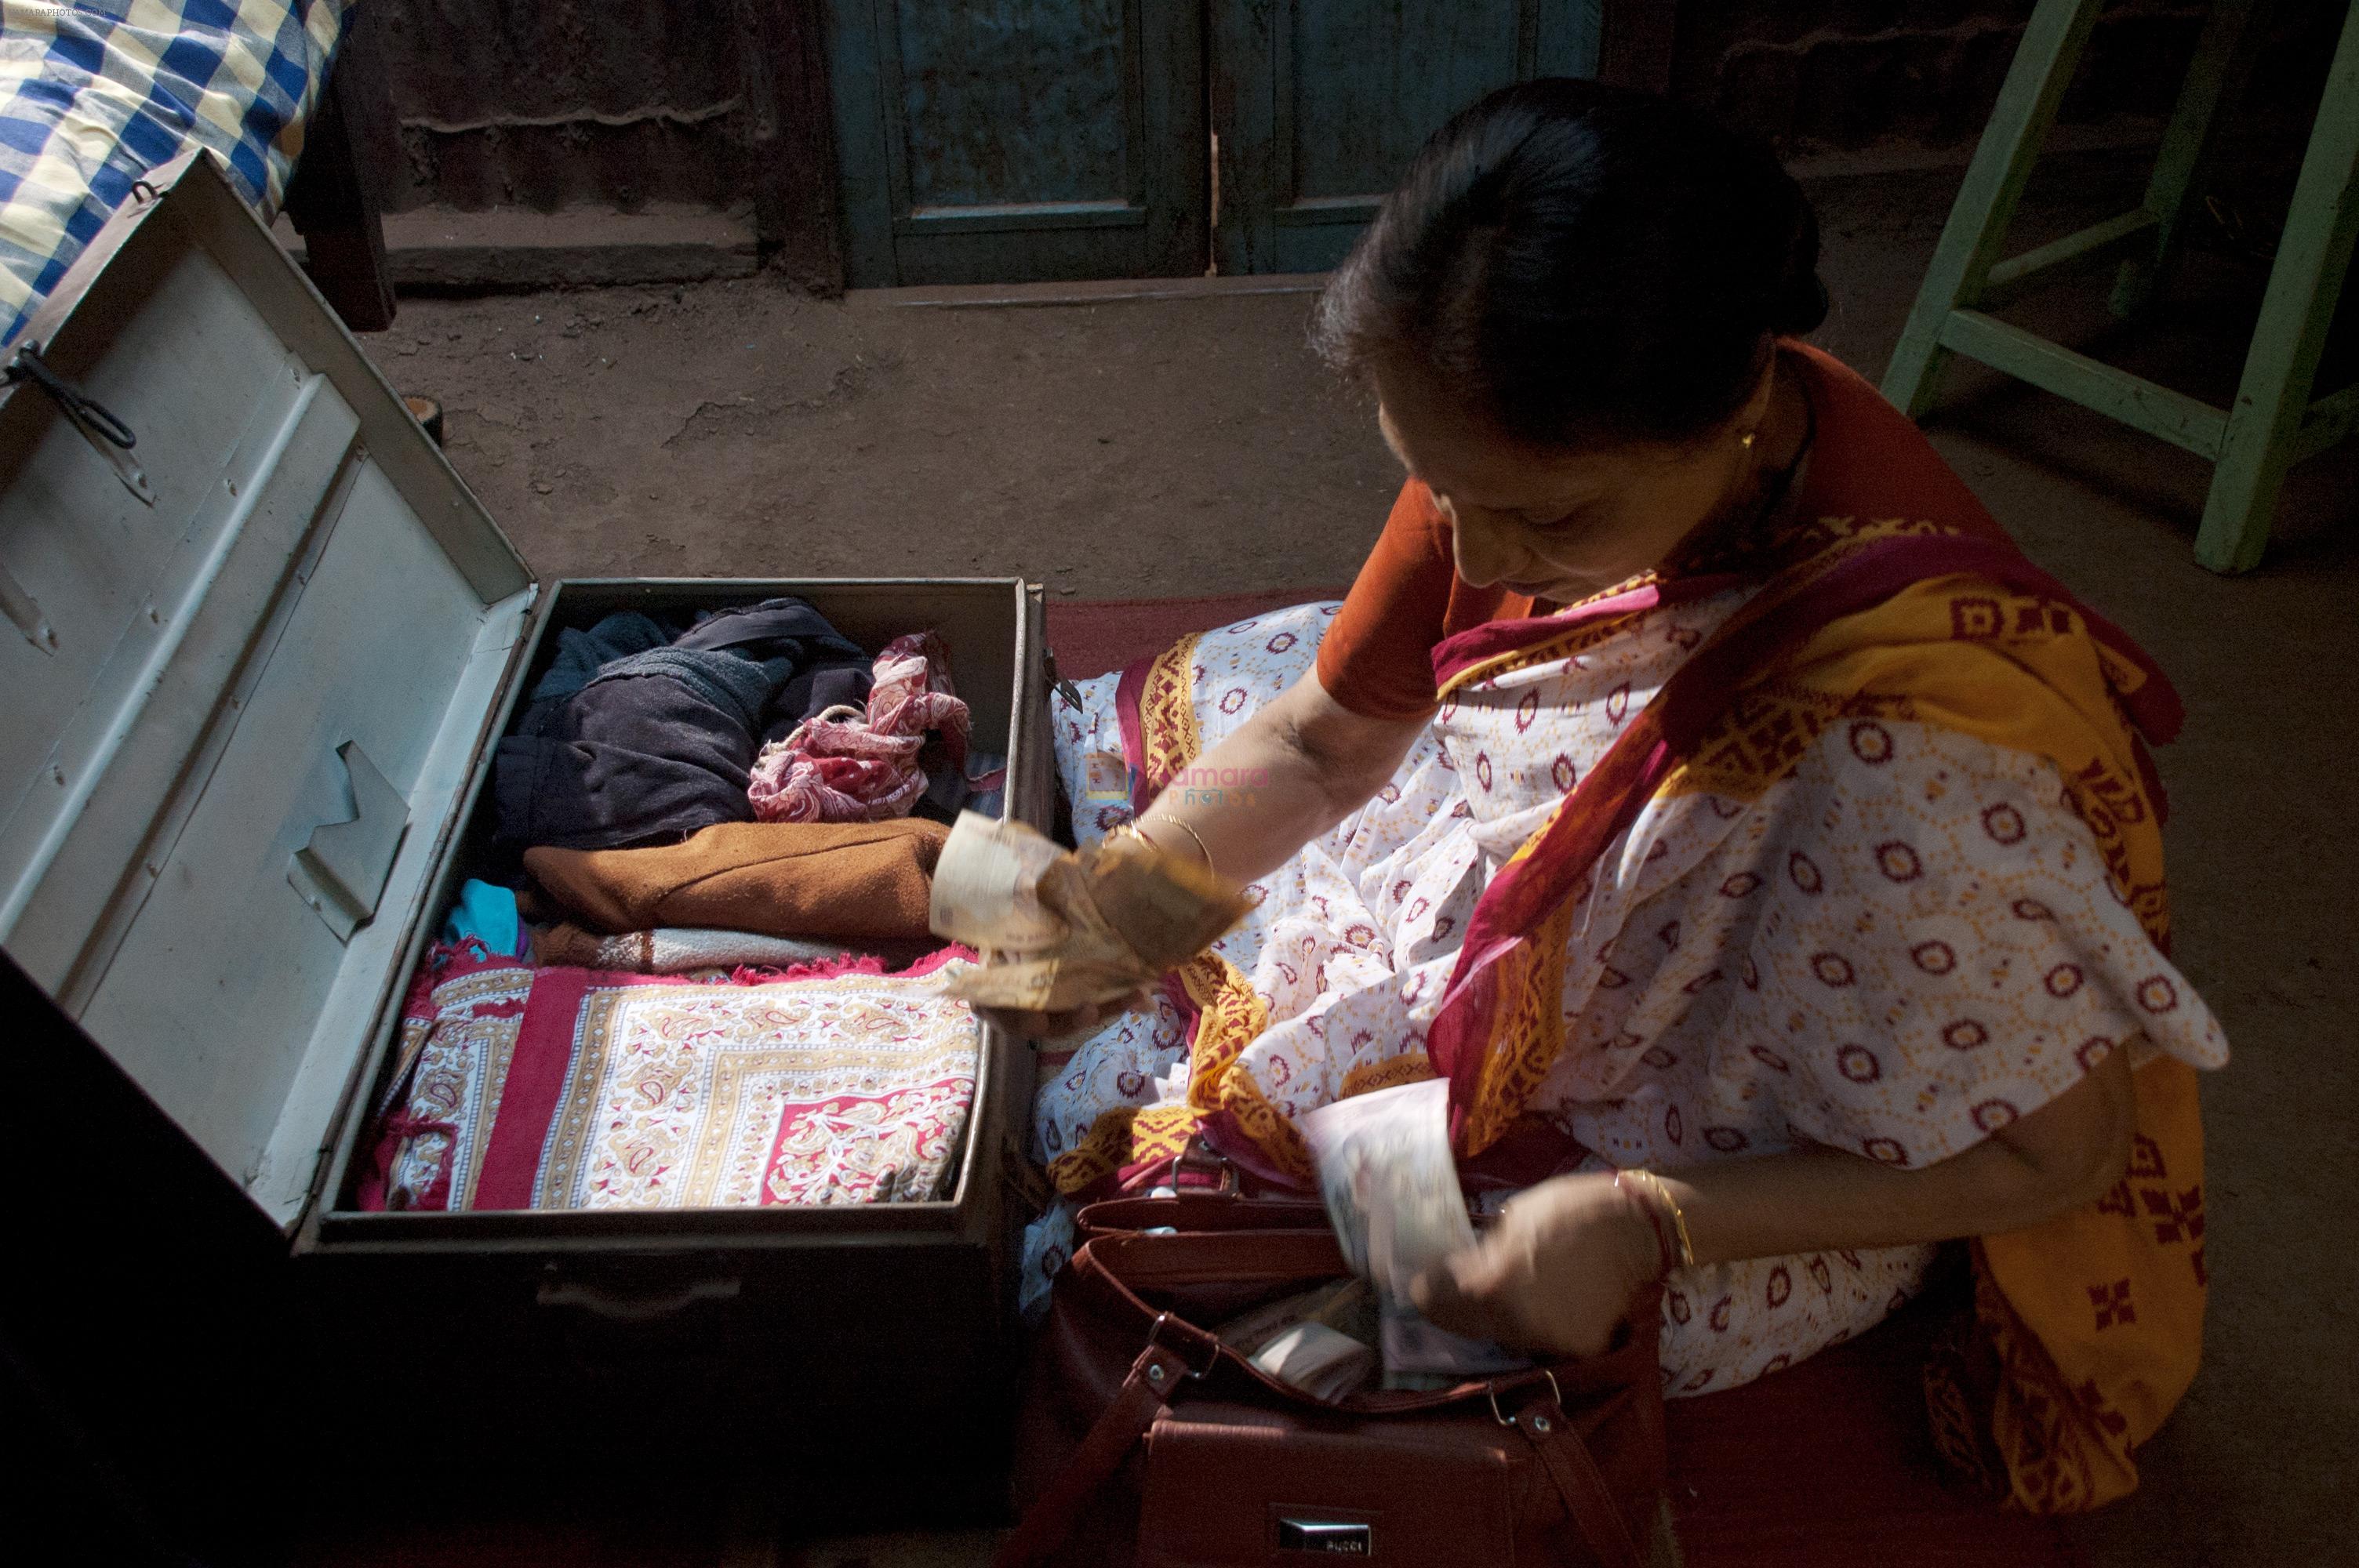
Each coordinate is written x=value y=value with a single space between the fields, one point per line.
x=2273 y=424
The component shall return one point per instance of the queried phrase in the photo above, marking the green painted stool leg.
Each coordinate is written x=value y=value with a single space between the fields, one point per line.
x=2305 y=284
x=2219 y=62
x=1972 y=239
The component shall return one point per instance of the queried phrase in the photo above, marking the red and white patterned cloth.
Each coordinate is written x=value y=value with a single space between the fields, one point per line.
x=847 y=766
x=558 y=1088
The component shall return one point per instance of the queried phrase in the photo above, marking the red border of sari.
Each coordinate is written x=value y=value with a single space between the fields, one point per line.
x=1127 y=693
x=544 y=1049
x=1478 y=645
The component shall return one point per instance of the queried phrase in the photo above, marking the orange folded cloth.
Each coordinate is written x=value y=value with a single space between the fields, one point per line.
x=781 y=878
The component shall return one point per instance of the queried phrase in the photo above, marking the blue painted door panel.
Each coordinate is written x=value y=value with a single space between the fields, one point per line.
x=1319 y=104
x=1019 y=140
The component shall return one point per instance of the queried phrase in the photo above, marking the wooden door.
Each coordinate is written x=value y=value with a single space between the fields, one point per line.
x=1010 y=141
x=1319 y=104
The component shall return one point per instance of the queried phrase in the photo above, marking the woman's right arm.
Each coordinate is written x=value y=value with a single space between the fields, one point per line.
x=1289 y=774
x=1305 y=760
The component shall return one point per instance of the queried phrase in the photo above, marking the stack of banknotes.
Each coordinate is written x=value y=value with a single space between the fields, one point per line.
x=1321 y=1340
x=1062 y=929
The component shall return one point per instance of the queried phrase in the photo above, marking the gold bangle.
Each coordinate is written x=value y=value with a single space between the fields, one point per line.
x=1201 y=847
x=1662 y=1191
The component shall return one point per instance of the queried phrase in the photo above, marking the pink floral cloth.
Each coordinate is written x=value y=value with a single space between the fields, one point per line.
x=848 y=766
x=562 y=1089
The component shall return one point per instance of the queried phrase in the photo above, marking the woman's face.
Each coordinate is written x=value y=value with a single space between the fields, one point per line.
x=1556 y=524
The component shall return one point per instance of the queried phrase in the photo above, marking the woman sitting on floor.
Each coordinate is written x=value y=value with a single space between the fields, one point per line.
x=1699 y=780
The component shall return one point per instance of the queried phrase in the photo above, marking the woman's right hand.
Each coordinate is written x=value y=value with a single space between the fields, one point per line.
x=1303 y=761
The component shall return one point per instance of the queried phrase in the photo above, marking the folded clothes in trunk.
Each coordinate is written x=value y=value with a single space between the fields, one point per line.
x=851 y=880
x=679 y=949
x=639 y=730
x=850 y=766
x=567 y=1088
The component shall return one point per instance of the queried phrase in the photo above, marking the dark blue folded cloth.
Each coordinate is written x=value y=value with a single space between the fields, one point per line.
x=581 y=655
x=639 y=733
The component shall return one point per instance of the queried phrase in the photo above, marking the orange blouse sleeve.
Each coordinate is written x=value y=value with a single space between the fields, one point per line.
x=1377 y=658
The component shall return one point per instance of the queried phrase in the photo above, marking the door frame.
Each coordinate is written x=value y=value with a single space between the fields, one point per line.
x=1195 y=67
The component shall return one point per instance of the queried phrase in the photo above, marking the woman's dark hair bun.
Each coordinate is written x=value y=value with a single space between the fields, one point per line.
x=1802 y=309
x=1584 y=263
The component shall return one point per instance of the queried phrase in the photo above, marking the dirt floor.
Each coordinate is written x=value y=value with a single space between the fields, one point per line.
x=1193 y=446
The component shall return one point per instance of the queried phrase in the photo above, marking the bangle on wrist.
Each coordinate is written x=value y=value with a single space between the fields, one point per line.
x=1654 y=1195
x=1201 y=847
x=1666 y=1251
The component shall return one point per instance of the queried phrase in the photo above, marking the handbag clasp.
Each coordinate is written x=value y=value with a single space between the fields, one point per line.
x=1197 y=1157
x=1492 y=1390
x=1195 y=1374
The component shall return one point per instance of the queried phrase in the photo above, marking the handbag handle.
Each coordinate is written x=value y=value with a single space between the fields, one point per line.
x=1133 y=1411
x=1200 y=1211
x=1588 y=1499
x=1144 y=1399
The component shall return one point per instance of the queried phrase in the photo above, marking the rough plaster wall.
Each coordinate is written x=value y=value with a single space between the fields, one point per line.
x=545 y=103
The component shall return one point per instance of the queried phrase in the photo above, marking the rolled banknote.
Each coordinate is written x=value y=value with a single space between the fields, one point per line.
x=987 y=886
x=1060 y=930
x=1344 y=1306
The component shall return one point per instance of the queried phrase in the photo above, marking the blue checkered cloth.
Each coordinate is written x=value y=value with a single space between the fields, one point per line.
x=96 y=94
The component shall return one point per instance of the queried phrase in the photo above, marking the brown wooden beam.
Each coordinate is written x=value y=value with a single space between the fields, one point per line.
x=332 y=197
x=790 y=131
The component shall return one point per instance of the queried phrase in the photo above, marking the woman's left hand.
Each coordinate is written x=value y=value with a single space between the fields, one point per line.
x=1555 y=1274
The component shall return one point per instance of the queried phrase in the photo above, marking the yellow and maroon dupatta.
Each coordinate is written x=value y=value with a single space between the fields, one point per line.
x=2057 y=1386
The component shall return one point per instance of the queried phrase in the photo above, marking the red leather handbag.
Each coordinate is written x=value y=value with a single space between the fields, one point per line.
x=1143 y=1440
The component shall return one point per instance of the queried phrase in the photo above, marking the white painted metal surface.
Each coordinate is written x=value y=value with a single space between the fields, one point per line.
x=310 y=576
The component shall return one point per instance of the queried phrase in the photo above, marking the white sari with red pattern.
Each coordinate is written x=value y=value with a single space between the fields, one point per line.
x=1907 y=941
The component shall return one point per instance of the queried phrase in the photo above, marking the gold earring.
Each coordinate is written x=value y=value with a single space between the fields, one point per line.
x=1745 y=440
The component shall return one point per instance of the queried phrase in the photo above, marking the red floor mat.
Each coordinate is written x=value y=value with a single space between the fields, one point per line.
x=1828 y=1463
x=1093 y=637
x=1831 y=1462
